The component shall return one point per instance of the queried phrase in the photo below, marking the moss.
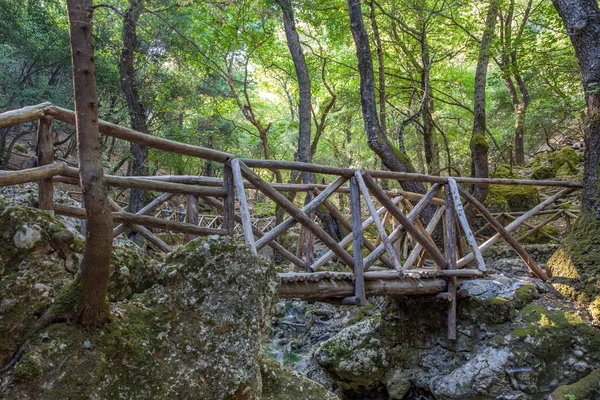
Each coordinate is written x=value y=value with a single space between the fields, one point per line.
x=542 y=172
x=512 y=198
x=493 y=310
x=402 y=156
x=525 y=295
x=574 y=267
x=580 y=390
x=504 y=171
x=565 y=161
x=27 y=369
x=478 y=140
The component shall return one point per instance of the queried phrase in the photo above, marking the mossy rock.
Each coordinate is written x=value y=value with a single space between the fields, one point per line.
x=575 y=266
x=198 y=335
x=582 y=389
x=542 y=172
x=284 y=384
x=504 y=171
x=564 y=161
x=512 y=198
x=493 y=310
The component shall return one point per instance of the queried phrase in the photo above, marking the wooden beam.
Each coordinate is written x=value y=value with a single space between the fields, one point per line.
x=311 y=206
x=144 y=220
x=407 y=224
x=148 y=208
x=244 y=210
x=373 y=211
x=130 y=135
x=23 y=115
x=228 y=201
x=357 y=243
x=462 y=218
x=297 y=214
x=450 y=250
x=414 y=254
x=323 y=289
x=514 y=225
x=157 y=186
x=45 y=138
x=145 y=232
x=31 y=174
x=397 y=233
x=540 y=226
x=348 y=239
x=505 y=235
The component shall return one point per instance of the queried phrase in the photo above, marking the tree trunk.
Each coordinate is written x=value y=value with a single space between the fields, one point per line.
x=582 y=20
x=137 y=111
x=93 y=308
x=431 y=150
x=392 y=158
x=479 y=146
x=304 y=106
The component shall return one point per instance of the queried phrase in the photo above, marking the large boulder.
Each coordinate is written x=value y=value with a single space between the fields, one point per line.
x=197 y=335
x=514 y=342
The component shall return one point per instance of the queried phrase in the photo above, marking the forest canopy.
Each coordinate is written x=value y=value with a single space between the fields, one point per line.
x=219 y=74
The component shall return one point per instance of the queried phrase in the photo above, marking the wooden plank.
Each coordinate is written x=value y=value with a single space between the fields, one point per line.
x=462 y=218
x=148 y=208
x=31 y=174
x=368 y=222
x=357 y=243
x=397 y=233
x=257 y=232
x=144 y=220
x=157 y=186
x=311 y=206
x=414 y=255
x=130 y=135
x=309 y=238
x=145 y=232
x=23 y=115
x=297 y=214
x=450 y=251
x=514 y=225
x=373 y=211
x=407 y=224
x=45 y=138
x=323 y=289
x=244 y=210
x=505 y=235
x=228 y=201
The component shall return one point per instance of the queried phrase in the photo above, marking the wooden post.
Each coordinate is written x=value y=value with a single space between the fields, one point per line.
x=244 y=210
x=567 y=222
x=357 y=243
x=83 y=221
x=228 y=201
x=192 y=213
x=45 y=138
x=450 y=252
x=309 y=247
x=462 y=218
x=505 y=235
x=373 y=211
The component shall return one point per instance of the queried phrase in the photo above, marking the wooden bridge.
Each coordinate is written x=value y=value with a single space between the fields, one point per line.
x=405 y=222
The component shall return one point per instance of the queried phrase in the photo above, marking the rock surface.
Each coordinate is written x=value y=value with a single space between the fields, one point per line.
x=198 y=335
x=515 y=341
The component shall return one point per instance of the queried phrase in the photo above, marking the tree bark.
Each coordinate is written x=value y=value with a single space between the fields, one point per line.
x=392 y=158
x=303 y=76
x=582 y=21
x=478 y=145
x=93 y=306
x=137 y=111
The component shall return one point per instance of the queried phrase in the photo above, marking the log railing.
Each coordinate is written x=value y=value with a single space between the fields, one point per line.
x=404 y=238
